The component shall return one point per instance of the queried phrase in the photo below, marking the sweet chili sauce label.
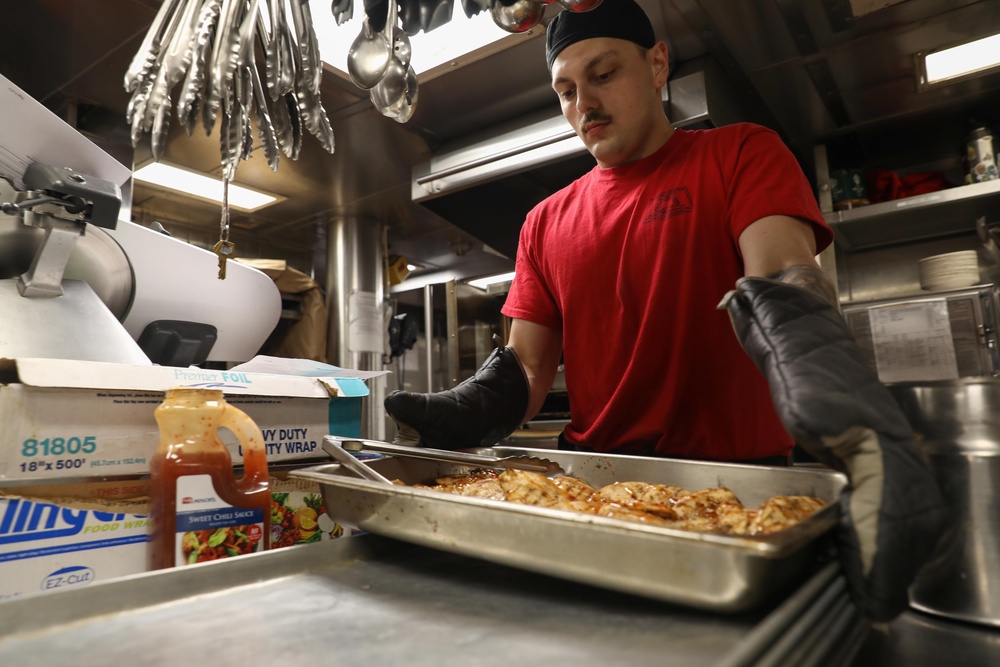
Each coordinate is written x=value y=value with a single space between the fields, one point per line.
x=208 y=528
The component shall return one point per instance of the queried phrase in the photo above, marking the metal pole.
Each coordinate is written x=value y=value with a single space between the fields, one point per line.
x=355 y=302
x=429 y=333
x=452 y=315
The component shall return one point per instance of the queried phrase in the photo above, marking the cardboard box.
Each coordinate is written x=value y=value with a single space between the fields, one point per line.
x=60 y=536
x=72 y=419
x=298 y=515
x=50 y=544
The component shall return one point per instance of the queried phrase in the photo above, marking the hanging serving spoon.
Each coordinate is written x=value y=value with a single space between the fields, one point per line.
x=368 y=57
x=391 y=89
x=403 y=109
x=401 y=48
x=519 y=16
x=394 y=35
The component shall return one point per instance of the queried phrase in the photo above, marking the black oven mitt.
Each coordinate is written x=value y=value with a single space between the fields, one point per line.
x=832 y=403
x=479 y=412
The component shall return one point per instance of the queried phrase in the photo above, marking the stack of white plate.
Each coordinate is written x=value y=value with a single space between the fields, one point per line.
x=949 y=271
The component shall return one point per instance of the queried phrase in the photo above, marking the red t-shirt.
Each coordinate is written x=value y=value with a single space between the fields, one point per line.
x=630 y=263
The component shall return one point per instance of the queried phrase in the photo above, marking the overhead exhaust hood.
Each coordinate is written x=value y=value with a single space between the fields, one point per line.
x=486 y=183
x=531 y=141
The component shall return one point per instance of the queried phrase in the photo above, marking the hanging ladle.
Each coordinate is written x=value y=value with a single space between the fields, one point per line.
x=518 y=16
x=392 y=86
x=369 y=57
x=404 y=107
x=395 y=36
x=391 y=89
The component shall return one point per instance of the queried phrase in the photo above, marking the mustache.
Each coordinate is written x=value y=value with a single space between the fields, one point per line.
x=594 y=117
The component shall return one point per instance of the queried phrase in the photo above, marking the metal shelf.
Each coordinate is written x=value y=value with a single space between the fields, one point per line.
x=929 y=216
x=367 y=600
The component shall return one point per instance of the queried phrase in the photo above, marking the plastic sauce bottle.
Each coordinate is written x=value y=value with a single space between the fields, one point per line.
x=200 y=511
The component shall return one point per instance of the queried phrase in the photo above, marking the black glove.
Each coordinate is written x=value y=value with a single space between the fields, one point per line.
x=832 y=403
x=479 y=412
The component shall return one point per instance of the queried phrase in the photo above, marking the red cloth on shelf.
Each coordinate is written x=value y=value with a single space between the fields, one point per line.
x=888 y=185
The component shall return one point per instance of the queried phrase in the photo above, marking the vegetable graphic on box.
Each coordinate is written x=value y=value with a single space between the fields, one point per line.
x=300 y=518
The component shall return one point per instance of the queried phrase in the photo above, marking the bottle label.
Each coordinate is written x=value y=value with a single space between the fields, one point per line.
x=209 y=528
x=981 y=161
x=848 y=189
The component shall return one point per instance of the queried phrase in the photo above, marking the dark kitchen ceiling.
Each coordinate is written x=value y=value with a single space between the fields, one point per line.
x=832 y=72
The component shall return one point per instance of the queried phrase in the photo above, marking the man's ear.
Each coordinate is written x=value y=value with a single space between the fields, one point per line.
x=660 y=63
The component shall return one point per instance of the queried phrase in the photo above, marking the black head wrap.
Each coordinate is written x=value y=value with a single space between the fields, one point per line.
x=623 y=19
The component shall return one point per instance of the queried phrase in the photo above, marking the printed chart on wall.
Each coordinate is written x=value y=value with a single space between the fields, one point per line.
x=913 y=341
x=365 y=330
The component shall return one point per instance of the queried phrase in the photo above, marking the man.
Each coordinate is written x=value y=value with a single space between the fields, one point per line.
x=620 y=274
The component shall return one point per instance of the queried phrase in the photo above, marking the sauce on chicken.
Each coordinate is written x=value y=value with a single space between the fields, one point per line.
x=714 y=510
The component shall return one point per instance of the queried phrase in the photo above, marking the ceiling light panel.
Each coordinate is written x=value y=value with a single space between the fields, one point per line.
x=958 y=62
x=455 y=39
x=483 y=283
x=202 y=186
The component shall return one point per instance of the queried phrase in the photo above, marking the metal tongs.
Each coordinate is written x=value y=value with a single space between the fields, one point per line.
x=332 y=443
x=333 y=447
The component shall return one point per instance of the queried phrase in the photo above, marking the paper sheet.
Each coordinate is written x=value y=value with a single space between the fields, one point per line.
x=303 y=367
x=913 y=341
x=365 y=324
x=31 y=133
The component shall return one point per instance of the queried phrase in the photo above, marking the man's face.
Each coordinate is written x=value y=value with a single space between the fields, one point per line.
x=610 y=94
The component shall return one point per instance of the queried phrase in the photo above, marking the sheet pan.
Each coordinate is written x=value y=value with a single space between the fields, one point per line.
x=714 y=572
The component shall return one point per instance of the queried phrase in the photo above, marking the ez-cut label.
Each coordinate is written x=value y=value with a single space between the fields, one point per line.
x=208 y=528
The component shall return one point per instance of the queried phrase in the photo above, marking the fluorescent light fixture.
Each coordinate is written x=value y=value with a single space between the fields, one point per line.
x=960 y=61
x=202 y=186
x=446 y=43
x=483 y=283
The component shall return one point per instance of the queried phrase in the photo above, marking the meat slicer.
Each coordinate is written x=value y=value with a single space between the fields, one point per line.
x=78 y=283
x=45 y=315
x=78 y=280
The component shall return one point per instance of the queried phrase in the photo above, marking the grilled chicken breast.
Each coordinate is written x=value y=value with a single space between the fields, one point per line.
x=715 y=510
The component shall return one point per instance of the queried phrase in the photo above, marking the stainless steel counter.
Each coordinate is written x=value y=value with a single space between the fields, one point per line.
x=916 y=639
x=369 y=600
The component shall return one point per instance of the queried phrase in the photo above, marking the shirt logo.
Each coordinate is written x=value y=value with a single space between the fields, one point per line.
x=669 y=204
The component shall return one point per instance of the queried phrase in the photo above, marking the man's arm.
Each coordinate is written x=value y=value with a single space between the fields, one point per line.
x=539 y=348
x=784 y=249
x=785 y=315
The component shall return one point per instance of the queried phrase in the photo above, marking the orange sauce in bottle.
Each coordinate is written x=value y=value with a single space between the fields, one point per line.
x=200 y=510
